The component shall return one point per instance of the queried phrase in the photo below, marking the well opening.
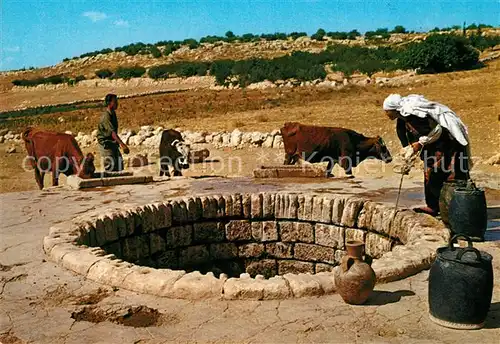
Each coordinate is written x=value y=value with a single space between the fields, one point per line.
x=257 y=246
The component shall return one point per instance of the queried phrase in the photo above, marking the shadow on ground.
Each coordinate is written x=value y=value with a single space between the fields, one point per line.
x=379 y=298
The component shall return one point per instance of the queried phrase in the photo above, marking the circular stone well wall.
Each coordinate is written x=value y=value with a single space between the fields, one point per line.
x=242 y=246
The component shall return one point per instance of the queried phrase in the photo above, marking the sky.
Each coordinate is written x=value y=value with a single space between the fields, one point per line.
x=43 y=32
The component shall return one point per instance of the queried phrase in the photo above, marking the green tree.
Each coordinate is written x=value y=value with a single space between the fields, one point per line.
x=318 y=36
x=103 y=73
x=230 y=36
x=440 y=53
x=399 y=29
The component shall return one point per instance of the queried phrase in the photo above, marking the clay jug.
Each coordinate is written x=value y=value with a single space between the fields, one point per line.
x=355 y=278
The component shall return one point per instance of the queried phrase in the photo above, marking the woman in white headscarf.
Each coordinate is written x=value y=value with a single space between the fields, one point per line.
x=440 y=135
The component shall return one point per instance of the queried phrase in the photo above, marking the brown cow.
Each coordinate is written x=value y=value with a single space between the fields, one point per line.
x=54 y=152
x=335 y=145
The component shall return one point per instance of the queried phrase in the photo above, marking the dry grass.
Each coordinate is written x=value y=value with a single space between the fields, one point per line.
x=474 y=95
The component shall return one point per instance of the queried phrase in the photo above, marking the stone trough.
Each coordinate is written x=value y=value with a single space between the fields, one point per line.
x=106 y=179
x=242 y=246
x=292 y=171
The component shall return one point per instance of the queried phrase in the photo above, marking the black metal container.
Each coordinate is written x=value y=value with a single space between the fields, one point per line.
x=467 y=213
x=460 y=286
x=445 y=197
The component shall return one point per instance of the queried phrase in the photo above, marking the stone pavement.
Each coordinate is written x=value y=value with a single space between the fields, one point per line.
x=41 y=302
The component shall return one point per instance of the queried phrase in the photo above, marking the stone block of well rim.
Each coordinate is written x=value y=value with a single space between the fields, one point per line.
x=238 y=230
x=365 y=215
x=268 y=205
x=110 y=229
x=338 y=209
x=303 y=285
x=315 y=253
x=376 y=245
x=100 y=232
x=279 y=250
x=80 y=261
x=178 y=236
x=179 y=212
x=274 y=288
x=296 y=232
x=329 y=235
x=209 y=205
x=223 y=251
x=194 y=285
x=208 y=232
x=228 y=204
x=305 y=210
x=264 y=267
x=326 y=280
x=59 y=251
x=317 y=209
x=193 y=255
x=194 y=209
x=106 y=271
x=256 y=201
x=129 y=221
x=114 y=248
x=135 y=248
x=354 y=234
x=251 y=250
x=221 y=207
x=339 y=254
x=320 y=267
x=352 y=208
x=168 y=259
x=152 y=281
x=49 y=242
x=156 y=243
x=294 y=267
x=237 y=205
x=246 y=203
x=158 y=216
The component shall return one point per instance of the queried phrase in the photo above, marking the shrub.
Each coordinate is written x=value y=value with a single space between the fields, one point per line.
x=318 y=36
x=181 y=69
x=155 y=52
x=221 y=70
x=54 y=79
x=79 y=78
x=129 y=72
x=295 y=35
x=103 y=73
x=440 y=53
x=399 y=29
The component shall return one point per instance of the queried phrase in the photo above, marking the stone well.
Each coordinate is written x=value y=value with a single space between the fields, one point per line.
x=242 y=246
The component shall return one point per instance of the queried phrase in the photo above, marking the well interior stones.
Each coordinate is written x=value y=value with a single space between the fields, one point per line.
x=257 y=246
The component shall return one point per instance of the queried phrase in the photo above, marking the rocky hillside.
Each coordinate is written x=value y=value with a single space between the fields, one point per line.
x=87 y=66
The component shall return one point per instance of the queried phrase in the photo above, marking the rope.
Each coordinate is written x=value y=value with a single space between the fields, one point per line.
x=405 y=169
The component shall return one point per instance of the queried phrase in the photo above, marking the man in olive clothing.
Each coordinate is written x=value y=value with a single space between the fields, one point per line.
x=107 y=137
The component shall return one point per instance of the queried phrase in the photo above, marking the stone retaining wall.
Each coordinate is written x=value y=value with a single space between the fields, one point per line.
x=303 y=237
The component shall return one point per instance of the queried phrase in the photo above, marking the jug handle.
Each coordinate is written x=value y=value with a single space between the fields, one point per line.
x=347 y=262
x=455 y=237
x=469 y=249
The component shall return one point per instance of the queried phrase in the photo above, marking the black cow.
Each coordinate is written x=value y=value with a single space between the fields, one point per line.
x=335 y=145
x=173 y=152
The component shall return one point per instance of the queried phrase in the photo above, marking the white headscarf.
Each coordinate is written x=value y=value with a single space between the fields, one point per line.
x=417 y=105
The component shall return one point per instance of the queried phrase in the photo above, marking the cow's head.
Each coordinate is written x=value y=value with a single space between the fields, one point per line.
x=380 y=151
x=183 y=150
x=87 y=168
